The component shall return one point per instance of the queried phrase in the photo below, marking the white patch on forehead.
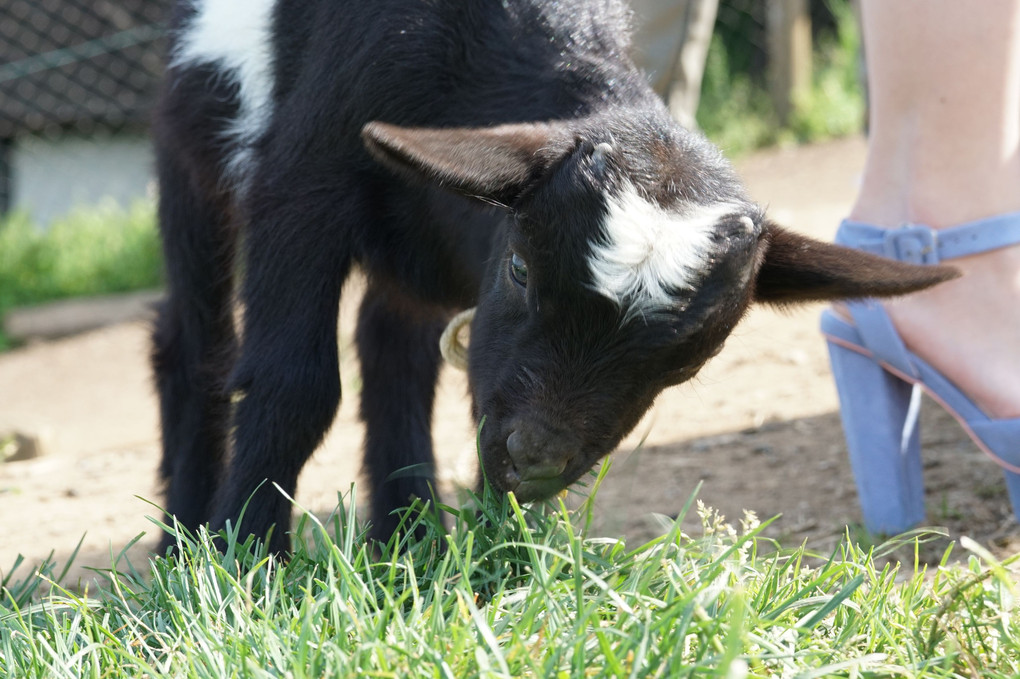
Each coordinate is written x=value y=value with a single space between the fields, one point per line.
x=236 y=36
x=650 y=253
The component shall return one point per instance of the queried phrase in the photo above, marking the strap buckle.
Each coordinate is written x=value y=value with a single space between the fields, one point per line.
x=913 y=244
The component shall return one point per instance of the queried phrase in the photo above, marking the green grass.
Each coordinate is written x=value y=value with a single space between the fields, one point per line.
x=91 y=251
x=737 y=113
x=835 y=105
x=514 y=592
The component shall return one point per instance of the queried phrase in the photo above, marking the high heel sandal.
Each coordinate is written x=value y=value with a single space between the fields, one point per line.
x=879 y=380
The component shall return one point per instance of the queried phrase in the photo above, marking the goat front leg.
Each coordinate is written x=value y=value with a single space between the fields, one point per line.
x=398 y=344
x=286 y=382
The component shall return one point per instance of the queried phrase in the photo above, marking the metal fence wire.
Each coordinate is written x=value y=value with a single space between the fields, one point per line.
x=82 y=63
x=77 y=78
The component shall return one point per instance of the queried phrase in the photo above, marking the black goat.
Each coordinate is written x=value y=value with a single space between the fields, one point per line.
x=498 y=153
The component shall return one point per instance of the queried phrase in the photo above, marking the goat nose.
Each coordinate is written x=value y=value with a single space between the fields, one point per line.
x=515 y=445
x=535 y=460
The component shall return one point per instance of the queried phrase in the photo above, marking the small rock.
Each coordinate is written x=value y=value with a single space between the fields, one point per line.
x=16 y=446
x=796 y=357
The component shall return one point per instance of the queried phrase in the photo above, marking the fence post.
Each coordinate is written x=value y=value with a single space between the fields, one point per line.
x=788 y=24
x=5 y=175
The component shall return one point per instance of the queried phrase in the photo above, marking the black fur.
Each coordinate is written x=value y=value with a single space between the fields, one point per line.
x=431 y=208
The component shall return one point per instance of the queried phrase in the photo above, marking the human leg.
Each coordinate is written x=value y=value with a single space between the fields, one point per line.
x=944 y=149
x=671 y=39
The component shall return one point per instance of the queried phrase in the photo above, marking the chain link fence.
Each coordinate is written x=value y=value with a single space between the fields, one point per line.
x=77 y=83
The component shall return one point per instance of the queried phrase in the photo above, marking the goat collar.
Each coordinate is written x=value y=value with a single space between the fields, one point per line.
x=454 y=351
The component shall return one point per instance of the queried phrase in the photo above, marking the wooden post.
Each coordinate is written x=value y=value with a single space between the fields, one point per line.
x=789 y=53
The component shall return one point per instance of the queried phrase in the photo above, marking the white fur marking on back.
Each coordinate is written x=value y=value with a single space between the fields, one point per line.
x=236 y=35
x=650 y=253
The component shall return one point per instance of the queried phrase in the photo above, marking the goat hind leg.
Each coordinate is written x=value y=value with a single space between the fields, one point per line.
x=398 y=344
x=193 y=343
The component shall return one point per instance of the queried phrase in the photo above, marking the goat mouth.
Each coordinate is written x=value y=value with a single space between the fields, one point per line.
x=534 y=489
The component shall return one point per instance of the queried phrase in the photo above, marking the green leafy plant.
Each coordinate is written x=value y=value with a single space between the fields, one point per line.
x=97 y=250
x=737 y=113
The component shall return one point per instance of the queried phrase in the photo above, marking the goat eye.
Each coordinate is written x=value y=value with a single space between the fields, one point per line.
x=518 y=270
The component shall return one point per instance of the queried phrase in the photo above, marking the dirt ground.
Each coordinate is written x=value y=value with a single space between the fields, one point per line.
x=759 y=428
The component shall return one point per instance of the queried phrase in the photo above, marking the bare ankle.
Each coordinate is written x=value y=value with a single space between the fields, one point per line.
x=930 y=186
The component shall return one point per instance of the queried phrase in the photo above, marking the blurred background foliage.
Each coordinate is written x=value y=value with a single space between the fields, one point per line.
x=736 y=111
x=93 y=250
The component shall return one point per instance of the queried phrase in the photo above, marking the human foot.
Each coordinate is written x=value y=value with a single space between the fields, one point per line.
x=969 y=329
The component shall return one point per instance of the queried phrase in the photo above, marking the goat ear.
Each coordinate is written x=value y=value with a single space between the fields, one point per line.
x=800 y=269
x=497 y=163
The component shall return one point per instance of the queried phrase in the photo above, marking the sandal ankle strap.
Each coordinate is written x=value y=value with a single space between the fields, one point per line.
x=919 y=244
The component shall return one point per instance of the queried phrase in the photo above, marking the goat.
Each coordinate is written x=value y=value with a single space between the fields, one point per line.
x=504 y=154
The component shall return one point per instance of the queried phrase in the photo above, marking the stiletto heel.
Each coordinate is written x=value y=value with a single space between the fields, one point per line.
x=880 y=419
x=879 y=379
x=1013 y=486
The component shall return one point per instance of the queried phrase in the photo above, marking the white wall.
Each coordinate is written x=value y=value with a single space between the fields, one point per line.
x=50 y=176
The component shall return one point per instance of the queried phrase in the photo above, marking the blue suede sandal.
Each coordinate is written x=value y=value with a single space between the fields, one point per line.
x=880 y=381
